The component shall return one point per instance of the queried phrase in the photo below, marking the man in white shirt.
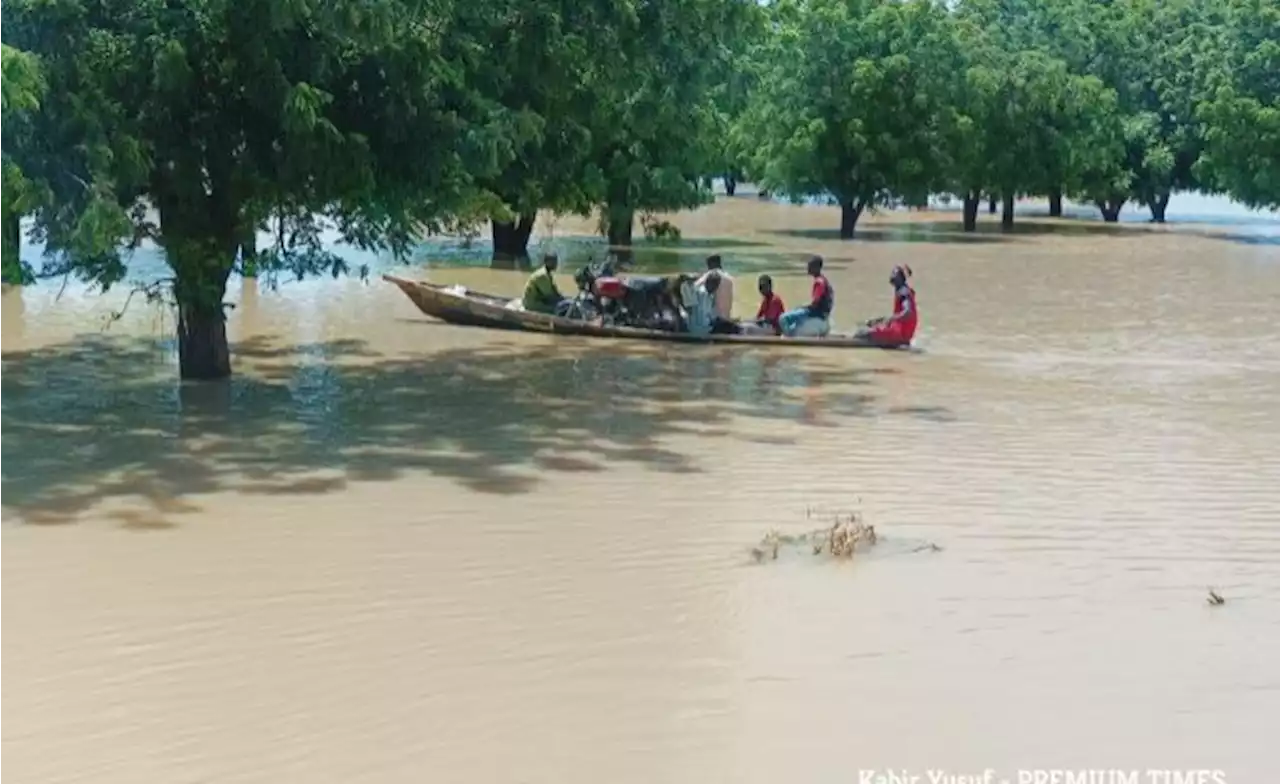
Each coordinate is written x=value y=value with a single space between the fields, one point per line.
x=724 y=294
x=701 y=305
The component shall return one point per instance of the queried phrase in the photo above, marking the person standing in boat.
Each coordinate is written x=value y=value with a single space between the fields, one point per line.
x=540 y=292
x=724 y=294
x=812 y=320
x=900 y=328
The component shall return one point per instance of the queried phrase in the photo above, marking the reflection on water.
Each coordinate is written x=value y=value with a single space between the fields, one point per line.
x=390 y=545
x=486 y=417
x=14 y=314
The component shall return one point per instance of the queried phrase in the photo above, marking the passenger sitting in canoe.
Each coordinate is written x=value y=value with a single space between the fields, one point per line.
x=812 y=320
x=771 y=307
x=900 y=328
x=540 y=293
x=724 y=294
x=701 y=307
x=770 y=310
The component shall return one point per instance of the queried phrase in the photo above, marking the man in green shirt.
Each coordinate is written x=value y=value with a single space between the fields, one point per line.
x=540 y=293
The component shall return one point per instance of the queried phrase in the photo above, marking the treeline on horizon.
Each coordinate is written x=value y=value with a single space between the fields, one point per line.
x=395 y=118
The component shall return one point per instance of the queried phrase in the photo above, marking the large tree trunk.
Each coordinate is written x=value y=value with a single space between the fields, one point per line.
x=850 y=211
x=972 y=201
x=12 y=263
x=991 y=205
x=619 y=221
x=201 y=268
x=203 y=353
x=202 y=231
x=1006 y=214
x=1158 y=206
x=1055 y=203
x=511 y=239
x=709 y=183
x=1111 y=209
x=730 y=184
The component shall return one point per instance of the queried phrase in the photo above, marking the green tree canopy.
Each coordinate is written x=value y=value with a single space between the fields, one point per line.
x=735 y=84
x=1154 y=55
x=1242 y=112
x=23 y=88
x=855 y=101
x=1028 y=124
x=657 y=123
x=550 y=63
x=188 y=121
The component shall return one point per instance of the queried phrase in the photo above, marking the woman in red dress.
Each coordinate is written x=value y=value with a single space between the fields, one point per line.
x=900 y=328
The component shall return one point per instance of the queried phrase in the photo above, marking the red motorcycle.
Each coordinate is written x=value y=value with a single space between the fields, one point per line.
x=643 y=302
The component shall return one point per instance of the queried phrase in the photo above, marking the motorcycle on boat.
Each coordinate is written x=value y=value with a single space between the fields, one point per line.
x=641 y=302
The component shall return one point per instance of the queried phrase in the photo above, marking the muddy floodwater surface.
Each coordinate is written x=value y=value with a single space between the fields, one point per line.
x=395 y=550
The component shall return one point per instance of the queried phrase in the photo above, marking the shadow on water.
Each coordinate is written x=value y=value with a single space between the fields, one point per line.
x=1258 y=233
x=697 y=243
x=905 y=234
x=100 y=419
x=1260 y=240
x=647 y=260
x=1258 y=229
x=947 y=232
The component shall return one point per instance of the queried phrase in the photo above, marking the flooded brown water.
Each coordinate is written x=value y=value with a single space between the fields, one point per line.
x=392 y=550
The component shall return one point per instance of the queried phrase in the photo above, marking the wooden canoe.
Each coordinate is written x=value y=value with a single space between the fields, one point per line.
x=456 y=305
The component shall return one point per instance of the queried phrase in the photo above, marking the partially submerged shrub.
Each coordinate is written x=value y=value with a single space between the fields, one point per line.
x=846 y=535
x=659 y=230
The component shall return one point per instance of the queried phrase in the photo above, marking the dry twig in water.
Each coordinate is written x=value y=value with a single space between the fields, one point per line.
x=845 y=536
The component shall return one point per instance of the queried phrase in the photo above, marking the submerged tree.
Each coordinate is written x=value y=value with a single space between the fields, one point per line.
x=736 y=82
x=1000 y=36
x=1242 y=113
x=188 y=122
x=550 y=65
x=1154 y=55
x=1178 y=43
x=855 y=101
x=654 y=134
x=23 y=88
x=1028 y=124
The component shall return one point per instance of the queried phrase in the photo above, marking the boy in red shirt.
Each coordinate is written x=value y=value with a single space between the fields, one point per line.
x=771 y=307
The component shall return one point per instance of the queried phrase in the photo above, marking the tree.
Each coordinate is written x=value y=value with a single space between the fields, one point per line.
x=1242 y=111
x=23 y=88
x=1154 y=54
x=188 y=122
x=550 y=64
x=655 y=131
x=736 y=82
x=855 y=101
x=1028 y=124
x=1179 y=42
x=1088 y=39
x=1010 y=29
